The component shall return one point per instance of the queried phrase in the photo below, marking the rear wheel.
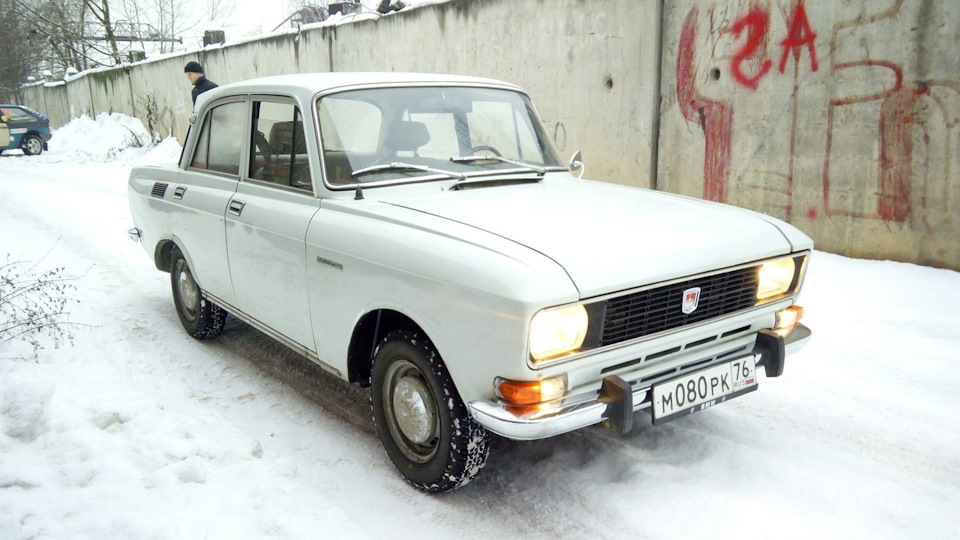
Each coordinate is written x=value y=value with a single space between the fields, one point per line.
x=423 y=424
x=200 y=317
x=31 y=145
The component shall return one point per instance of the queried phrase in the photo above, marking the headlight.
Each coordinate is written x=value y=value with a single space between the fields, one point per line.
x=557 y=331
x=776 y=278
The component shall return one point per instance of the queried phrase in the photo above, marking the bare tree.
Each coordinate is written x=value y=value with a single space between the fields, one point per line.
x=100 y=9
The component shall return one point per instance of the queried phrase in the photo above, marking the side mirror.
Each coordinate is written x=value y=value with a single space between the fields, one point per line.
x=4 y=119
x=193 y=119
x=576 y=164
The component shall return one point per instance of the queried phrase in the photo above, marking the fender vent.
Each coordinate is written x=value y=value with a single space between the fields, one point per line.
x=159 y=189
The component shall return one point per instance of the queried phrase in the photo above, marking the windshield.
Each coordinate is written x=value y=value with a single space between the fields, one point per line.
x=391 y=134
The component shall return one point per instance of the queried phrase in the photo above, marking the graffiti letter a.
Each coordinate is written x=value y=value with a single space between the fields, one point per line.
x=800 y=34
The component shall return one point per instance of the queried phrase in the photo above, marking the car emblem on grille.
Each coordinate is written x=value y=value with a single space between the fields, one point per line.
x=691 y=299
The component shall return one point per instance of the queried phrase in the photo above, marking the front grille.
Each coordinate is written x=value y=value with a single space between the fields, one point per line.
x=655 y=310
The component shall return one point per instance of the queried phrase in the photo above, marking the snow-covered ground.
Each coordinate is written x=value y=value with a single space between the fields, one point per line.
x=138 y=431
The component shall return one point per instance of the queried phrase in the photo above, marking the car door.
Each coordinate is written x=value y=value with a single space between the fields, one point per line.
x=4 y=135
x=266 y=223
x=204 y=188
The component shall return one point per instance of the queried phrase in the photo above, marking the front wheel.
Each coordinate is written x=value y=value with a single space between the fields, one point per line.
x=422 y=422
x=200 y=317
x=32 y=145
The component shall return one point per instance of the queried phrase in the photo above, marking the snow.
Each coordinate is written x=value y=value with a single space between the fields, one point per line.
x=138 y=431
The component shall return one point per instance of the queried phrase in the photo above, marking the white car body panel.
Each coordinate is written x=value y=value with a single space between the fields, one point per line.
x=469 y=267
x=609 y=237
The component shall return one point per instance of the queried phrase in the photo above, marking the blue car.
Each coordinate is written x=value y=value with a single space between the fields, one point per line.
x=23 y=128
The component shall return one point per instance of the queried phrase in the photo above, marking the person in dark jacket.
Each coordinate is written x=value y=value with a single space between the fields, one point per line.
x=200 y=82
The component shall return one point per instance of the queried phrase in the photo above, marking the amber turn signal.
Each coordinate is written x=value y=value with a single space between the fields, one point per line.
x=531 y=392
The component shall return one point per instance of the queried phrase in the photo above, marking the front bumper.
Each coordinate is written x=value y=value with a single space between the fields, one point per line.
x=616 y=401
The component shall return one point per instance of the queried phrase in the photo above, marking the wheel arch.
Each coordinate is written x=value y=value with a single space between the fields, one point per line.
x=163 y=254
x=367 y=333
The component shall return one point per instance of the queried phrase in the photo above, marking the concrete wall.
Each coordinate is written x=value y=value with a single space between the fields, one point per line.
x=841 y=117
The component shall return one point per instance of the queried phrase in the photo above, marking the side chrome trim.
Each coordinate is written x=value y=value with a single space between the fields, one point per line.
x=282 y=339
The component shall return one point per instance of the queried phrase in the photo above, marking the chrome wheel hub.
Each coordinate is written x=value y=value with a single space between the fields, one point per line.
x=414 y=408
x=411 y=411
x=189 y=295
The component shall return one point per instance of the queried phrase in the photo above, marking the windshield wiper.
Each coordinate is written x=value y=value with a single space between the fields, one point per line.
x=471 y=159
x=399 y=166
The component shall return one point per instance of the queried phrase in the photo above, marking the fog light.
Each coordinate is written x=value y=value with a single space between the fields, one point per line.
x=789 y=317
x=531 y=392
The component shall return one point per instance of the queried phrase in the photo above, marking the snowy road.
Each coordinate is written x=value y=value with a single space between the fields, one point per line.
x=138 y=431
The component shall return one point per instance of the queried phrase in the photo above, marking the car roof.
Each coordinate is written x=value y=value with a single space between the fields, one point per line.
x=310 y=84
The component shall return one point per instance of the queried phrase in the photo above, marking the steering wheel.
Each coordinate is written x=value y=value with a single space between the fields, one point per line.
x=474 y=149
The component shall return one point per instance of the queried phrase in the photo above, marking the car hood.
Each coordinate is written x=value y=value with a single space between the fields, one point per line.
x=608 y=237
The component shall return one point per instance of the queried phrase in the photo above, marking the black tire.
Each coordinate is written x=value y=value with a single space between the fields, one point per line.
x=32 y=145
x=200 y=317
x=442 y=448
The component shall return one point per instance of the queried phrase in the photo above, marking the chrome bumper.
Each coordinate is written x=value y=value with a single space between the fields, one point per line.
x=769 y=353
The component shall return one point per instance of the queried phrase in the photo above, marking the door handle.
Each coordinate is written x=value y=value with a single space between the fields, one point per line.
x=235 y=207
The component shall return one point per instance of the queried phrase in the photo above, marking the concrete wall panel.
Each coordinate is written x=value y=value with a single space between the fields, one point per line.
x=840 y=117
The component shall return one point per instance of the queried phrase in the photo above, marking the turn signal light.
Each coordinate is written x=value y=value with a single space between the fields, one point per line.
x=789 y=317
x=531 y=392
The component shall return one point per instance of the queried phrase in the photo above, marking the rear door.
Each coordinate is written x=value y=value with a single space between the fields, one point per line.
x=267 y=219
x=204 y=190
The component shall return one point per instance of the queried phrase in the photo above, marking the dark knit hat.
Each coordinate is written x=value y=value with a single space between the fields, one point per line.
x=193 y=67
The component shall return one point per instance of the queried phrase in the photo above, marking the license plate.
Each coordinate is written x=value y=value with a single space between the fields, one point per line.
x=703 y=389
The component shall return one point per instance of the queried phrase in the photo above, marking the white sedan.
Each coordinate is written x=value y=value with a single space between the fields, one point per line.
x=419 y=234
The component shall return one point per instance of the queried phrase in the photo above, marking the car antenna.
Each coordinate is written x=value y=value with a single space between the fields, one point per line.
x=358 y=195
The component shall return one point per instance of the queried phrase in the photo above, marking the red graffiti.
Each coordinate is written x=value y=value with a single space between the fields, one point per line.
x=756 y=23
x=799 y=35
x=714 y=117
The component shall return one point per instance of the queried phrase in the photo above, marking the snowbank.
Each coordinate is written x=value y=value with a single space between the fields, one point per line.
x=112 y=137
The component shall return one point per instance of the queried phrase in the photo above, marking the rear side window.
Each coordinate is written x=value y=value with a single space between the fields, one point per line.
x=18 y=115
x=278 y=150
x=221 y=140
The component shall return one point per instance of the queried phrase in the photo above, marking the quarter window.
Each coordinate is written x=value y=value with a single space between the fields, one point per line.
x=278 y=150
